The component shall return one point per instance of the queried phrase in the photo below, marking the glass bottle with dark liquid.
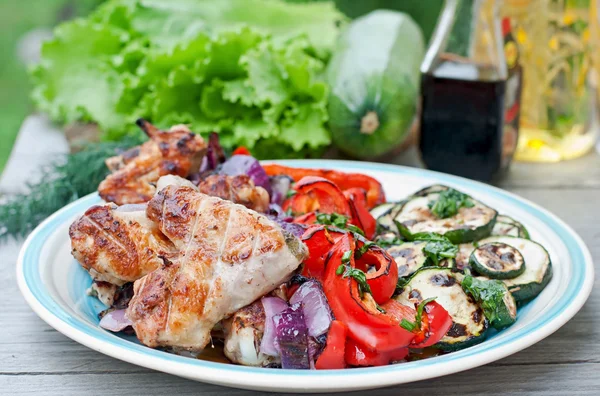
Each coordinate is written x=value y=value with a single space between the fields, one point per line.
x=463 y=85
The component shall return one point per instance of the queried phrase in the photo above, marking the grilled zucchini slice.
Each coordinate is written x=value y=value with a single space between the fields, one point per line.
x=409 y=257
x=508 y=226
x=436 y=188
x=468 y=225
x=382 y=209
x=461 y=261
x=538 y=269
x=469 y=323
x=384 y=214
x=497 y=260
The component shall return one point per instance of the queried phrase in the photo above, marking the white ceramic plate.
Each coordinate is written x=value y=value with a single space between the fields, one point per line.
x=54 y=286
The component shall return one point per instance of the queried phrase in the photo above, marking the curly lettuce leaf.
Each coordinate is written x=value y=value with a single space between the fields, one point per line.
x=250 y=70
x=303 y=127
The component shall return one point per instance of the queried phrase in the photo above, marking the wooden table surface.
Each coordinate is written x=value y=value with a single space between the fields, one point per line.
x=34 y=358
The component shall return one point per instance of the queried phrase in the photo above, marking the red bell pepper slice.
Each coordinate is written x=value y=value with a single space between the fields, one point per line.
x=344 y=181
x=241 y=150
x=308 y=218
x=438 y=322
x=299 y=204
x=359 y=355
x=361 y=217
x=384 y=278
x=332 y=356
x=374 y=329
x=320 y=240
x=317 y=194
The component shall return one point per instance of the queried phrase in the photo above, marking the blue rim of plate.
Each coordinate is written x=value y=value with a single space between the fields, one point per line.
x=576 y=293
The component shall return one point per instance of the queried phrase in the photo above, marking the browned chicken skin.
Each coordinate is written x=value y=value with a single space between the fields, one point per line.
x=238 y=189
x=116 y=245
x=229 y=256
x=135 y=172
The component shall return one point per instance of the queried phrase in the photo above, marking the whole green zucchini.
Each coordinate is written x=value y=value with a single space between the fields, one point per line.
x=374 y=79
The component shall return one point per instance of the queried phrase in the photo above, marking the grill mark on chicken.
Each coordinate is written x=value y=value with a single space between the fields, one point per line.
x=100 y=229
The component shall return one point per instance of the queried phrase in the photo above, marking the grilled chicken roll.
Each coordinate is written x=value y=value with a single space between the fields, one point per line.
x=229 y=256
x=135 y=172
x=118 y=245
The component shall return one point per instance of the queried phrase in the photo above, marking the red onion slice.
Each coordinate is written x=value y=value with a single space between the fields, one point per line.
x=272 y=307
x=317 y=313
x=115 y=321
x=292 y=337
x=247 y=165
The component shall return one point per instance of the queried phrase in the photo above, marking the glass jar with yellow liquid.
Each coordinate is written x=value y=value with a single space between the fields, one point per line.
x=558 y=46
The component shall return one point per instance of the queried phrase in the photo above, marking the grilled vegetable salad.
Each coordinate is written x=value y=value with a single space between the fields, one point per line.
x=436 y=272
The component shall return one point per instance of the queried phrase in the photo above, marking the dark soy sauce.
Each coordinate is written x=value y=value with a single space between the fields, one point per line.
x=462 y=120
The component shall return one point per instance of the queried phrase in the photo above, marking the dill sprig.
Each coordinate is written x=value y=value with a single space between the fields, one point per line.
x=60 y=182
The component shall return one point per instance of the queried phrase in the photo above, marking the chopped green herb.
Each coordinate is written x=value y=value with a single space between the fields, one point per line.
x=429 y=236
x=437 y=251
x=339 y=221
x=438 y=247
x=340 y=270
x=355 y=229
x=363 y=249
x=346 y=256
x=449 y=202
x=407 y=325
x=410 y=326
x=488 y=293
x=359 y=276
x=420 y=308
x=334 y=219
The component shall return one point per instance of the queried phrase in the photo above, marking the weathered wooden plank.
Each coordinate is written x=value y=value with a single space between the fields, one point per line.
x=564 y=379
